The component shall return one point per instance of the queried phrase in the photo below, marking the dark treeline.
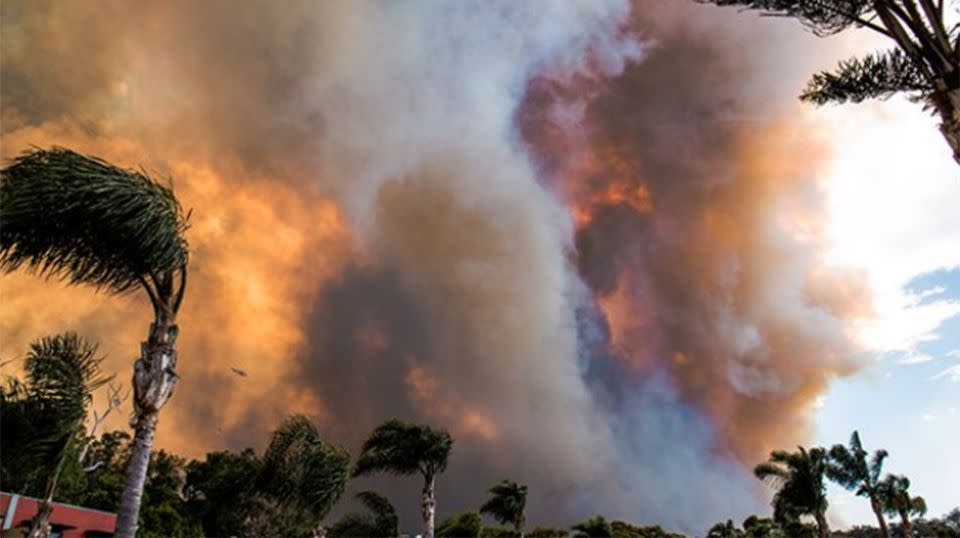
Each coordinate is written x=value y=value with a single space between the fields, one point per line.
x=289 y=488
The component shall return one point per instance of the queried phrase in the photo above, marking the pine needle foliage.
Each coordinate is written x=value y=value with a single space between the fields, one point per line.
x=823 y=17
x=876 y=76
x=924 y=65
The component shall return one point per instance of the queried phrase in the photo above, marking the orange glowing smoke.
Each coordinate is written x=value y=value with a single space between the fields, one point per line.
x=757 y=397
x=258 y=248
x=444 y=406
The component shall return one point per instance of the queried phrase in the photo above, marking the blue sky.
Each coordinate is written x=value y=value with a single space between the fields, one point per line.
x=893 y=194
x=906 y=409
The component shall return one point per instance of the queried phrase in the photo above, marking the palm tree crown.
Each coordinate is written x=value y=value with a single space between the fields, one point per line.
x=79 y=218
x=300 y=470
x=894 y=492
x=381 y=521
x=396 y=447
x=798 y=477
x=507 y=503
x=42 y=417
x=850 y=468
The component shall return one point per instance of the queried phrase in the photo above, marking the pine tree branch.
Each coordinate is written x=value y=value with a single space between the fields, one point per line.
x=876 y=76
x=823 y=17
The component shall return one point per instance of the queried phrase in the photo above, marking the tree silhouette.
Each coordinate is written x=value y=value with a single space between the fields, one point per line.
x=798 y=477
x=78 y=218
x=397 y=447
x=925 y=63
x=850 y=468
x=895 y=492
x=507 y=503
x=42 y=416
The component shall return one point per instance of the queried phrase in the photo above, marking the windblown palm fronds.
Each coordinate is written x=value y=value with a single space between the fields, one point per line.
x=89 y=222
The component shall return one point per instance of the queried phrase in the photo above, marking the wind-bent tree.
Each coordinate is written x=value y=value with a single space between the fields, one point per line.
x=397 y=447
x=43 y=416
x=798 y=477
x=81 y=219
x=507 y=504
x=850 y=468
x=925 y=62
x=302 y=472
x=895 y=492
x=380 y=522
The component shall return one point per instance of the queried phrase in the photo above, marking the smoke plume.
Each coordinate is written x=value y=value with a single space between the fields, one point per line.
x=577 y=235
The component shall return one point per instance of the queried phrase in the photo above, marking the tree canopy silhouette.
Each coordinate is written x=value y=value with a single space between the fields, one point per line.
x=924 y=64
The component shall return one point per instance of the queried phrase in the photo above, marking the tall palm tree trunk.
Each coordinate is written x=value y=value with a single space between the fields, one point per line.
x=154 y=378
x=823 y=529
x=428 y=506
x=881 y=521
x=947 y=104
x=907 y=525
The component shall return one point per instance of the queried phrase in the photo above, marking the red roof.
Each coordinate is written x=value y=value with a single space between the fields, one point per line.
x=72 y=521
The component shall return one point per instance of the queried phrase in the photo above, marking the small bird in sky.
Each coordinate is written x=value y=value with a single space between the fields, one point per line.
x=239 y=372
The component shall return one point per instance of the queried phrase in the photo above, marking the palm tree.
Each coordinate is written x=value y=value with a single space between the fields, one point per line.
x=507 y=504
x=302 y=472
x=850 y=468
x=400 y=448
x=381 y=522
x=42 y=418
x=80 y=219
x=798 y=477
x=895 y=494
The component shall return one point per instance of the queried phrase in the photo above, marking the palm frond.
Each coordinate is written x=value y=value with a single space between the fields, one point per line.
x=876 y=76
x=894 y=494
x=376 y=503
x=506 y=503
x=354 y=526
x=300 y=469
x=918 y=506
x=44 y=413
x=876 y=465
x=79 y=218
x=397 y=447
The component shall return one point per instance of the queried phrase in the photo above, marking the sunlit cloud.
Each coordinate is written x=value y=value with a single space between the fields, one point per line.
x=951 y=374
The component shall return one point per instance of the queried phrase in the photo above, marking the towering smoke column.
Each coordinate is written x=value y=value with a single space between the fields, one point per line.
x=698 y=235
x=534 y=223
